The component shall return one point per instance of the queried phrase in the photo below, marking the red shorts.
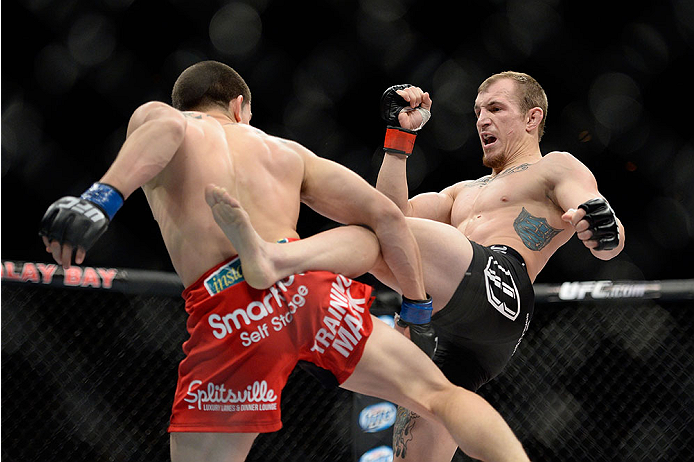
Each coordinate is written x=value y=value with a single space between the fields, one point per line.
x=244 y=343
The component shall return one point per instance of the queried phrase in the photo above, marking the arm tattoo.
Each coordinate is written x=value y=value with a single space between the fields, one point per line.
x=402 y=431
x=535 y=232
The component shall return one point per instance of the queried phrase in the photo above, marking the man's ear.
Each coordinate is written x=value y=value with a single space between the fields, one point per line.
x=535 y=116
x=235 y=108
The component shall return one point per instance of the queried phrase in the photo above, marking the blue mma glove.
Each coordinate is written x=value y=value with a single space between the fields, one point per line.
x=416 y=314
x=80 y=221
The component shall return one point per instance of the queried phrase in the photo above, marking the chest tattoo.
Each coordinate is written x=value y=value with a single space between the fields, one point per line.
x=535 y=232
x=487 y=179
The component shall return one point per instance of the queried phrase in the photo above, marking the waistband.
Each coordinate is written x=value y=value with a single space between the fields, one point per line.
x=223 y=275
x=218 y=278
x=506 y=250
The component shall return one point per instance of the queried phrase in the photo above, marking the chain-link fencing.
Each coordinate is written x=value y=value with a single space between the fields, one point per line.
x=89 y=375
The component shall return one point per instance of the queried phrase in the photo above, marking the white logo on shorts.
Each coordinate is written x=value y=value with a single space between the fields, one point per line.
x=502 y=292
x=255 y=397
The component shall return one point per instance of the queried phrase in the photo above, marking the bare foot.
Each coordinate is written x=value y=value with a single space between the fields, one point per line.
x=254 y=252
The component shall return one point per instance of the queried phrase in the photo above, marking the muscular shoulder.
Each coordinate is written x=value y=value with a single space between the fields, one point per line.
x=560 y=167
x=155 y=110
x=288 y=148
x=248 y=132
x=453 y=190
x=562 y=163
x=561 y=159
x=253 y=131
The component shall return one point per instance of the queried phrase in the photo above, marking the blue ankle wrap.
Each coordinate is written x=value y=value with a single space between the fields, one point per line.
x=416 y=311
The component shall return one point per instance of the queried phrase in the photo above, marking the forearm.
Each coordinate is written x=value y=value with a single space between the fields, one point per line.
x=392 y=181
x=324 y=189
x=401 y=254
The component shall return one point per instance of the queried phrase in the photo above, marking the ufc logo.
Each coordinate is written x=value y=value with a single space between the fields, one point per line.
x=82 y=207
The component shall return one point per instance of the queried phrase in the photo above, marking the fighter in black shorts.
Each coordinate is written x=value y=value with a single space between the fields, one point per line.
x=483 y=242
x=484 y=322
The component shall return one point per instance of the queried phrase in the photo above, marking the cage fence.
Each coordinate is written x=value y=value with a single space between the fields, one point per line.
x=89 y=366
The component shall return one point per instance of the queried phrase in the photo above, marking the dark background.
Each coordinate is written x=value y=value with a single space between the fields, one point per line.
x=616 y=75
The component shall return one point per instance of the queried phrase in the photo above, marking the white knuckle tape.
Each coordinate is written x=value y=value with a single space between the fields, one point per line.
x=425 y=113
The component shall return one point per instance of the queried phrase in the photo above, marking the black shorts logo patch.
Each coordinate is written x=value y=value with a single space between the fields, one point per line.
x=502 y=292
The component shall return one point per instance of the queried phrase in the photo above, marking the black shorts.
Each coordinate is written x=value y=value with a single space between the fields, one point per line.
x=483 y=323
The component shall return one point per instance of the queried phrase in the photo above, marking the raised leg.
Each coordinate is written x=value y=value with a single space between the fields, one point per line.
x=393 y=368
x=347 y=250
x=446 y=254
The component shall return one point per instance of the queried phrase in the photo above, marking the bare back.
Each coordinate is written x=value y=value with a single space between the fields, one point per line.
x=517 y=208
x=251 y=165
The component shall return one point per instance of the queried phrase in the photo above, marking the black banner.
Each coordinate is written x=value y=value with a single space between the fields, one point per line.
x=129 y=281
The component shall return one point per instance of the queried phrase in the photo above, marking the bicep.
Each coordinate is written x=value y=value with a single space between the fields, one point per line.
x=338 y=193
x=432 y=206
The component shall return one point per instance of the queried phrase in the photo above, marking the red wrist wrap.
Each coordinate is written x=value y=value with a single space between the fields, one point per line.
x=399 y=140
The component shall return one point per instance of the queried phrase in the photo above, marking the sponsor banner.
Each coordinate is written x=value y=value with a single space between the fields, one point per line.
x=500 y=292
x=48 y=273
x=372 y=428
x=377 y=417
x=610 y=291
x=379 y=454
x=598 y=290
x=129 y=281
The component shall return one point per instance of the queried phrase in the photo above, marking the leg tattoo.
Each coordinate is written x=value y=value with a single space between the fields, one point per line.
x=402 y=431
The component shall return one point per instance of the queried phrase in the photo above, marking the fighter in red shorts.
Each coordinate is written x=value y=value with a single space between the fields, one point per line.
x=225 y=394
x=245 y=342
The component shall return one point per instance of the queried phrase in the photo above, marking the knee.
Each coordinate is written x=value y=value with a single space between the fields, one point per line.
x=435 y=399
x=440 y=399
x=369 y=244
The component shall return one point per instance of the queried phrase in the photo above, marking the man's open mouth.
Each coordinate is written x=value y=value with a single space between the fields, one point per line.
x=488 y=139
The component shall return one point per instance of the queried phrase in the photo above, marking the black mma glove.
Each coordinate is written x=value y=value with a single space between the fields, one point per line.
x=80 y=221
x=603 y=223
x=392 y=104
x=399 y=140
x=416 y=314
